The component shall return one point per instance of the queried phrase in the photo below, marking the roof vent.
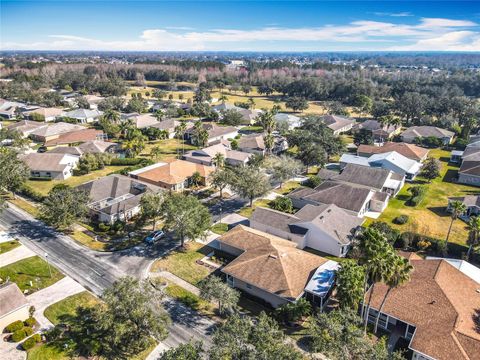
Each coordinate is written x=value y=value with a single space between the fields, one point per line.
x=433 y=302
x=272 y=256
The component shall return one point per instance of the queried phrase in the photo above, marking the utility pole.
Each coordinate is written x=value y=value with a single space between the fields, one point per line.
x=49 y=267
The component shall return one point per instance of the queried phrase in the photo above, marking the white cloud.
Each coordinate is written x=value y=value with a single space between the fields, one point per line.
x=399 y=14
x=427 y=34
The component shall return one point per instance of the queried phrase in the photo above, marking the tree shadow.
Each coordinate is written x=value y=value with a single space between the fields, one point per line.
x=439 y=211
x=450 y=176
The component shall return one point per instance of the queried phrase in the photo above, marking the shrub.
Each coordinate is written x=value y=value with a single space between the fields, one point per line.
x=37 y=337
x=103 y=227
x=19 y=335
x=30 y=322
x=282 y=203
x=28 y=330
x=313 y=182
x=31 y=310
x=418 y=194
x=31 y=193
x=15 y=326
x=30 y=343
x=130 y=161
x=400 y=220
x=423 y=244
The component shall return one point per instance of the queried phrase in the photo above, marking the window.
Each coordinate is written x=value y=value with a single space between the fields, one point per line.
x=248 y=286
x=230 y=281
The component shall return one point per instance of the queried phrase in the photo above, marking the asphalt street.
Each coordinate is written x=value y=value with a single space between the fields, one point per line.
x=97 y=271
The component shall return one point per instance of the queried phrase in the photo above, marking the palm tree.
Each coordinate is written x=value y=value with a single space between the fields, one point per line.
x=180 y=131
x=269 y=141
x=219 y=160
x=457 y=208
x=112 y=116
x=125 y=126
x=158 y=115
x=252 y=103
x=223 y=98
x=473 y=234
x=196 y=178
x=156 y=152
x=399 y=274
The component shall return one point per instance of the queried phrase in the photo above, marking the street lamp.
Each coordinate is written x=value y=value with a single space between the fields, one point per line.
x=49 y=268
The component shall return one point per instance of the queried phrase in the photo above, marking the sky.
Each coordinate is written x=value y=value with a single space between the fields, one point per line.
x=387 y=25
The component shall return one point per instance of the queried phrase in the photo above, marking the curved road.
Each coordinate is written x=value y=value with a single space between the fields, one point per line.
x=97 y=271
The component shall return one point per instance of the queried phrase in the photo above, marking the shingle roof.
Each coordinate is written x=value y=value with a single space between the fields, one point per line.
x=471 y=154
x=90 y=147
x=442 y=303
x=251 y=142
x=83 y=113
x=427 y=131
x=57 y=129
x=46 y=112
x=470 y=168
x=269 y=262
x=410 y=151
x=468 y=200
x=363 y=175
x=11 y=299
x=76 y=136
x=374 y=125
x=336 y=122
x=44 y=161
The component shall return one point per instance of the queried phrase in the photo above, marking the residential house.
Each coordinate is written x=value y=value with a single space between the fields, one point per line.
x=167 y=125
x=391 y=161
x=377 y=179
x=436 y=312
x=7 y=108
x=255 y=144
x=88 y=147
x=50 y=165
x=216 y=133
x=380 y=132
x=273 y=269
x=472 y=202
x=13 y=305
x=249 y=116
x=26 y=127
x=93 y=101
x=206 y=155
x=416 y=132
x=141 y=121
x=84 y=116
x=469 y=172
x=115 y=197
x=224 y=107
x=49 y=114
x=355 y=200
x=172 y=174
x=410 y=151
x=50 y=132
x=287 y=121
x=338 y=124
x=325 y=227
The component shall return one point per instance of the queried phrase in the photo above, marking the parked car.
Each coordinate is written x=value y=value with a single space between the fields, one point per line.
x=154 y=236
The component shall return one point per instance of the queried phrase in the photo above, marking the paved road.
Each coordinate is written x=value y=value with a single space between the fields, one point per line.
x=97 y=271
x=226 y=207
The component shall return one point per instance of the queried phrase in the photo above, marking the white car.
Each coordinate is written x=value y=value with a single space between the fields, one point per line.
x=154 y=236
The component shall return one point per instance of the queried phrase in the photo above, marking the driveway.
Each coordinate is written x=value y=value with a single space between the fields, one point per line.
x=51 y=295
x=19 y=253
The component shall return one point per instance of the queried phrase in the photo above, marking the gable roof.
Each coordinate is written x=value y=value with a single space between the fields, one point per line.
x=57 y=129
x=83 y=113
x=471 y=154
x=269 y=262
x=254 y=141
x=336 y=122
x=375 y=125
x=410 y=151
x=45 y=161
x=46 y=112
x=470 y=168
x=11 y=298
x=26 y=126
x=442 y=303
x=427 y=131
x=90 y=147
x=76 y=136
x=364 y=175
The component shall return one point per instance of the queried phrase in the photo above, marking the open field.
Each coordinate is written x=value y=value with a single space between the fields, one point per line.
x=44 y=186
x=33 y=270
x=182 y=263
x=429 y=217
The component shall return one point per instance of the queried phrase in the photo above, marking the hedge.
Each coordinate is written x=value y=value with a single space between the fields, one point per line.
x=15 y=326
x=400 y=220
x=130 y=161
x=30 y=193
x=31 y=342
x=19 y=335
x=30 y=322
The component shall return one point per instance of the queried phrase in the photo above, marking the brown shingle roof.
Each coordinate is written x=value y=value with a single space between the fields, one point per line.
x=442 y=303
x=336 y=122
x=269 y=262
x=44 y=161
x=46 y=112
x=11 y=299
x=174 y=172
x=408 y=150
x=252 y=142
x=76 y=137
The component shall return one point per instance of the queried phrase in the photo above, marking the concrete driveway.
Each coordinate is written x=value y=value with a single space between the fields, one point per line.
x=19 y=253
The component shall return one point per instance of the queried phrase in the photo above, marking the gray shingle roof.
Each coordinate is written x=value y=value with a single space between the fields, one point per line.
x=11 y=299
x=427 y=131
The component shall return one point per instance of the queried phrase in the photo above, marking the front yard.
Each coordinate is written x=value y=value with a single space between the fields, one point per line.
x=182 y=263
x=62 y=310
x=429 y=217
x=8 y=245
x=31 y=274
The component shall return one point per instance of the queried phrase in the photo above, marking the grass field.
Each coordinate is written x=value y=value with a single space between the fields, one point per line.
x=8 y=245
x=189 y=299
x=69 y=306
x=44 y=187
x=33 y=269
x=171 y=148
x=25 y=206
x=219 y=228
x=182 y=263
x=247 y=210
x=429 y=217
x=288 y=187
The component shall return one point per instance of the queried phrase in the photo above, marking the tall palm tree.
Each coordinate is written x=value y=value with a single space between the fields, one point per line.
x=399 y=274
x=457 y=208
x=223 y=98
x=180 y=131
x=219 y=160
x=156 y=152
x=269 y=141
x=473 y=234
x=112 y=116
x=252 y=103
x=125 y=126
x=158 y=115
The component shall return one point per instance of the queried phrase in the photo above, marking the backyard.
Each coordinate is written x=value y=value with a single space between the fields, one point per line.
x=170 y=148
x=31 y=274
x=429 y=217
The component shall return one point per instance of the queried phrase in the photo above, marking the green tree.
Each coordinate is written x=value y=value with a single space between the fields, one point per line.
x=156 y=152
x=63 y=206
x=350 y=284
x=232 y=117
x=250 y=182
x=242 y=338
x=457 y=208
x=189 y=351
x=219 y=160
x=195 y=179
x=180 y=131
x=110 y=128
x=296 y=103
x=282 y=168
x=14 y=171
x=213 y=288
x=186 y=216
x=283 y=204
x=112 y=116
x=431 y=169
x=294 y=311
x=151 y=206
x=251 y=102
x=473 y=234
x=221 y=178
x=82 y=102
x=136 y=105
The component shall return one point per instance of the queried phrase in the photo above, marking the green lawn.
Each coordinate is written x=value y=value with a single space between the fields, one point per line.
x=191 y=300
x=33 y=269
x=25 y=206
x=8 y=245
x=247 y=210
x=219 y=228
x=46 y=352
x=288 y=187
x=68 y=307
x=429 y=217
x=170 y=148
x=44 y=187
x=182 y=263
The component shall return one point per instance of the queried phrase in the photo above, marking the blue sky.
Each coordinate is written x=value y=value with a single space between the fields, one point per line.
x=240 y=25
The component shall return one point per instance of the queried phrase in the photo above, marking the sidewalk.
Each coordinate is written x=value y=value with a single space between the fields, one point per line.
x=176 y=280
x=50 y=295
